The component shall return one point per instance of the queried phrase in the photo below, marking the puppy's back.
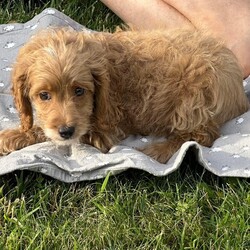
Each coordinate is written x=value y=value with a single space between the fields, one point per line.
x=180 y=75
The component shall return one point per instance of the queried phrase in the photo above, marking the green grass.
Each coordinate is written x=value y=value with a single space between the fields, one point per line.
x=189 y=209
x=91 y=13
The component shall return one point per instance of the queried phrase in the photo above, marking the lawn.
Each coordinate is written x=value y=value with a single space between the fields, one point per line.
x=189 y=209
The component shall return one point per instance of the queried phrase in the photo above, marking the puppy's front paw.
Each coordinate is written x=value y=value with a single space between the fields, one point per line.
x=11 y=140
x=99 y=141
x=14 y=139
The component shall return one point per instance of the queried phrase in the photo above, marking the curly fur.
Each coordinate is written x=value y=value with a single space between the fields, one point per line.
x=180 y=84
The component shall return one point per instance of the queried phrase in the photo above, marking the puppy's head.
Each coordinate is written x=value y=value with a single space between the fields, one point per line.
x=59 y=72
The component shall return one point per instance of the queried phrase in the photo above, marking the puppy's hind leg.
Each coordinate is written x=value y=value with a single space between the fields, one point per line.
x=15 y=139
x=163 y=151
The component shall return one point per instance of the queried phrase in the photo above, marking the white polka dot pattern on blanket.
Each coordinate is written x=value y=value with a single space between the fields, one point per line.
x=50 y=11
x=34 y=27
x=239 y=120
x=225 y=168
x=9 y=28
x=216 y=149
x=246 y=81
x=7 y=69
x=144 y=139
x=12 y=110
x=9 y=45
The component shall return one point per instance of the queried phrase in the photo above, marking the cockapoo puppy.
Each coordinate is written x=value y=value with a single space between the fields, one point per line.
x=99 y=88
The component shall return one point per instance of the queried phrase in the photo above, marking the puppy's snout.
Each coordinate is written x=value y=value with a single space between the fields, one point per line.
x=66 y=132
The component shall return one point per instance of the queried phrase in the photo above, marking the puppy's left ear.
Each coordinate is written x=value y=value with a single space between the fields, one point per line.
x=102 y=82
x=20 y=91
x=97 y=63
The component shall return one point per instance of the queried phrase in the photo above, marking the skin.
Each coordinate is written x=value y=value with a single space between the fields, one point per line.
x=227 y=20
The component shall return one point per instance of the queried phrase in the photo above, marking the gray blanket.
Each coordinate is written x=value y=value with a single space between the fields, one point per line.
x=229 y=156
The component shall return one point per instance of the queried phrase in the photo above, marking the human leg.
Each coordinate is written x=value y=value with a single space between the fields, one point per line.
x=226 y=20
x=147 y=14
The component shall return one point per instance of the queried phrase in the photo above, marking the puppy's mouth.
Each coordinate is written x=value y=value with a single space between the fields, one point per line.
x=65 y=135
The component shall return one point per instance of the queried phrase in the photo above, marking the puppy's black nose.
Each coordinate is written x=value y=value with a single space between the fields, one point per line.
x=66 y=132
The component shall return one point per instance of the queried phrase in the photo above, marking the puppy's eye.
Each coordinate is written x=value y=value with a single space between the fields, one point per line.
x=44 y=96
x=79 y=91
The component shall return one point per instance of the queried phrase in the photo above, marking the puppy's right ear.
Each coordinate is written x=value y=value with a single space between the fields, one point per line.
x=20 y=91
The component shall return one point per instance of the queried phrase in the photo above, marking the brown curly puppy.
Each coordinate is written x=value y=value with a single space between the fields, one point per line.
x=99 y=88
